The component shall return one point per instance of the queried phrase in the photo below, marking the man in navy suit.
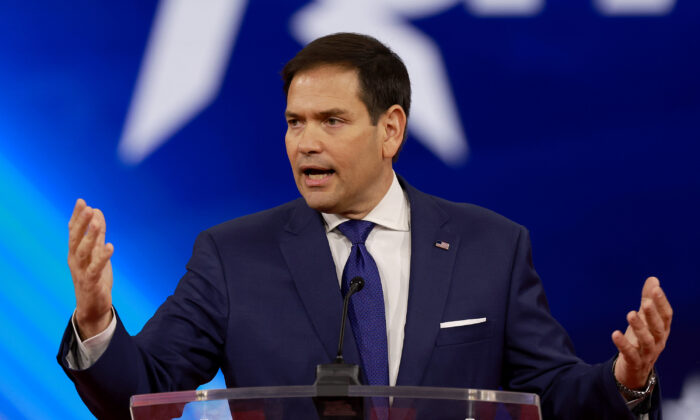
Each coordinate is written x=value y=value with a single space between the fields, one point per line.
x=261 y=299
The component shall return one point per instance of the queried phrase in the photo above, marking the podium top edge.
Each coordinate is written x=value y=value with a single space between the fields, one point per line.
x=301 y=391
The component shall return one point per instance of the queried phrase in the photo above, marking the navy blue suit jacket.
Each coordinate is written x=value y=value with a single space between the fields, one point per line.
x=261 y=301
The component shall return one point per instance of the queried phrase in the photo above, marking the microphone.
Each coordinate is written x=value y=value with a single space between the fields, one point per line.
x=356 y=284
x=334 y=379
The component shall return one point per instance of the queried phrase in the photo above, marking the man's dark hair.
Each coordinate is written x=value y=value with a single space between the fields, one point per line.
x=382 y=75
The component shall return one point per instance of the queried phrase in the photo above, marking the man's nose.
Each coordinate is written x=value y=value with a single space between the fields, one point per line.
x=310 y=140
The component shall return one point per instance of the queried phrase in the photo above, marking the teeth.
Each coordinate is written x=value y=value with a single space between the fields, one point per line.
x=318 y=176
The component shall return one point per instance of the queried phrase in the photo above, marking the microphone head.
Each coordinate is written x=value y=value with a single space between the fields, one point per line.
x=358 y=282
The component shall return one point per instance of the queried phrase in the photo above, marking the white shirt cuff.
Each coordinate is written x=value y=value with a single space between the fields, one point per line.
x=84 y=354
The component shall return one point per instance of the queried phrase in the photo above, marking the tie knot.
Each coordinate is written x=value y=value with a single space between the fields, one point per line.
x=356 y=230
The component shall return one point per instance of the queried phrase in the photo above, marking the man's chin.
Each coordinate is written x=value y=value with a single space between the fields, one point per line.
x=319 y=205
x=319 y=201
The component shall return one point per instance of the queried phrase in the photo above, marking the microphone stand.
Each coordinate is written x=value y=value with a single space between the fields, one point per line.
x=333 y=379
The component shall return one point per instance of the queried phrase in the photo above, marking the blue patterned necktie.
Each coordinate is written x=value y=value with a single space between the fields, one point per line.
x=366 y=309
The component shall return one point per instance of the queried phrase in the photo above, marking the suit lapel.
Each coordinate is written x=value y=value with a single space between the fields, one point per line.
x=308 y=257
x=429 y=283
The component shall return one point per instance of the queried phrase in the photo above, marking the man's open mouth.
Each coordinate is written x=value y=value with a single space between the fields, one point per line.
x=316 y=173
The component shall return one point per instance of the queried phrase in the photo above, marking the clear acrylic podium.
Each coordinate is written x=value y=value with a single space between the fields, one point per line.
x=349 y=402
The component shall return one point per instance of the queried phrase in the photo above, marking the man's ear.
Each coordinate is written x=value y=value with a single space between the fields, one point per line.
x=393 y=122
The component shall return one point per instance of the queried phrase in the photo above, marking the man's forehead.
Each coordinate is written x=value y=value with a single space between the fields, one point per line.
x=329 y=78
x=328 y=89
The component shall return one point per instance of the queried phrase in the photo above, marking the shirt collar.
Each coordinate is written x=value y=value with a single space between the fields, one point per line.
x=392 y=212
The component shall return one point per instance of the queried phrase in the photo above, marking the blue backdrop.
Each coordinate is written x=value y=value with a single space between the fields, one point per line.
x=576 y=118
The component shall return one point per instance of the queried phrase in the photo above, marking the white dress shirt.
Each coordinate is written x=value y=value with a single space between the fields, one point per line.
x=91 y=349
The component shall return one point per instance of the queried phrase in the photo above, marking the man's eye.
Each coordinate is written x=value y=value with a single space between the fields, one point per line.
x=333 y=121
x=292 y=123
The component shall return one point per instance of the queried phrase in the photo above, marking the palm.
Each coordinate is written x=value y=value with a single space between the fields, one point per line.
x=91 y=269
x=645 y=336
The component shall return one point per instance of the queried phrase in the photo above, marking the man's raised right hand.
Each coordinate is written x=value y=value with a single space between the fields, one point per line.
x=91 y=269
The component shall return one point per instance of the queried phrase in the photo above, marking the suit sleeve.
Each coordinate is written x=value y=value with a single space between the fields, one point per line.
x=539 y=356
x=179 y=348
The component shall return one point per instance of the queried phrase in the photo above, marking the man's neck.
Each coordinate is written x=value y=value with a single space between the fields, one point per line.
x=367 y=209
x=391 y=211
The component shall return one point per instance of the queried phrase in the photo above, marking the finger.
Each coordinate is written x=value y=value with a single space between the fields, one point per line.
x=663 y=306
x=650 y=284
x=654 y=321
x=99 y=219
x=626 y=349
x=644 y=338
x=99 y=261
x=630 y=336
x=87 y=244
x=645 y=302
x=77 y=231
x=79 y=206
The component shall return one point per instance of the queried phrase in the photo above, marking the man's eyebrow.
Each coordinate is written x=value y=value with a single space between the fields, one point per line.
x=333 y=112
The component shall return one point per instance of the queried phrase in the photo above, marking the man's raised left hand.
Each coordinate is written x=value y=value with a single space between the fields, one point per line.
x=645 y=337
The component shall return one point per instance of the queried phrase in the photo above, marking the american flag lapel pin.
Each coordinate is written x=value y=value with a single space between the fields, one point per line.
x=443 y=245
